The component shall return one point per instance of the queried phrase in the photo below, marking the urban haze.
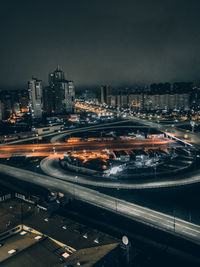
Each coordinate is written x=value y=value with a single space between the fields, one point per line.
x=99 y=133
x=100 y=42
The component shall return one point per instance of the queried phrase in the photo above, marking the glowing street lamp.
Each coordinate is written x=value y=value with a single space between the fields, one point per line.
x=192 y=123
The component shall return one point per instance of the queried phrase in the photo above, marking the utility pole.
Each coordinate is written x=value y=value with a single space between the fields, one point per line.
x=21 y=212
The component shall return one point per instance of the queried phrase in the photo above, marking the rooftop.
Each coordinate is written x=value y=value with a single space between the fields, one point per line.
x=67 y=231
x=28 y=250
x=57 y=240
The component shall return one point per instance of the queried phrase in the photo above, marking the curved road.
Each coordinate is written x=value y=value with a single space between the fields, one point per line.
x=138 y=213
x=47 y=167
x=56 y=138
x=50 y=167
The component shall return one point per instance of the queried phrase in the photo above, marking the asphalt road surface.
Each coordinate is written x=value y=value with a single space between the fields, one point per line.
x=138 y=213
x=49 y=166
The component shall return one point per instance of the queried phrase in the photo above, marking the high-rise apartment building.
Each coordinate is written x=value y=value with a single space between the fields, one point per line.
x=60 y=95
x=162 y=96
x=69 y=96
x=1 y=110
x=35 y=98
x=13 y=101
x=135 y=100
x=106 y=92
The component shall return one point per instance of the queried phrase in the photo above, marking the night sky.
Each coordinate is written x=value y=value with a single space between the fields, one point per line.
x=100 y=41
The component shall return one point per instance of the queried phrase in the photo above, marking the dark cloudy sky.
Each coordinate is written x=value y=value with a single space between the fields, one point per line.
x=100 y=41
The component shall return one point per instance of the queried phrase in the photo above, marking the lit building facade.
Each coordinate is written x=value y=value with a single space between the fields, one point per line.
x=161 y=96
x=1 y=110
x=173 y=101
x=35 y=98
x=59 y=97
x=135 y=100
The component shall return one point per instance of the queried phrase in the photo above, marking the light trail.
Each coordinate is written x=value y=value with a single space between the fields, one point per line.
x=44 y=150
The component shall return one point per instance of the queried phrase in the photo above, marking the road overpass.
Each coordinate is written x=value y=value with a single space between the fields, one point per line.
x=137 y=213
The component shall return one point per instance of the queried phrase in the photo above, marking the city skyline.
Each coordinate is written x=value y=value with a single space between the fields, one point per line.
x=121 y=44
x=100 y=133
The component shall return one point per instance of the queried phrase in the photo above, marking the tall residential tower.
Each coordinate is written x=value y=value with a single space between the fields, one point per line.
x=59 y=96
x=35 y=98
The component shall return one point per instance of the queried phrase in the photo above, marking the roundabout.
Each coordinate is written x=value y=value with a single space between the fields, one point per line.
x=51 y=167
x=134 y=160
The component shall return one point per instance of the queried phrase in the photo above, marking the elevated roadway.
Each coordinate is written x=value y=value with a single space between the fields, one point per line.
x=138 y=213
x=193 y=138
x=64 y=132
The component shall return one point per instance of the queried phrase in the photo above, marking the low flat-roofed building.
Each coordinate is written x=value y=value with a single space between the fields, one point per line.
x=49 y=240
x=68 y=231
x=27 y=250
x=25 y=246
x=96 y=256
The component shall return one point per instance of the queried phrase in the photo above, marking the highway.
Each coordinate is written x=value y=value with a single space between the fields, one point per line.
x=64 y=132
x=44 y=150
x=56 y=150
x=60 y=183
x=138 y=213
x=193 y=138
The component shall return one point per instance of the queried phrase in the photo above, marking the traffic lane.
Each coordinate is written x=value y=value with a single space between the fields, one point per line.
x=180 y=133
x=102 y=200
x=146 y=216
x=86 y=143
x=92 y=143
x=47 y=165
x=57 y=138
x=161 y=220
x=45 y=150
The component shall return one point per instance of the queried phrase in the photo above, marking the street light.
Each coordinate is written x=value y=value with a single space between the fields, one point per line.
x=117 y=193
x=75 y=180
x=192 y=123
x=155 y=168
